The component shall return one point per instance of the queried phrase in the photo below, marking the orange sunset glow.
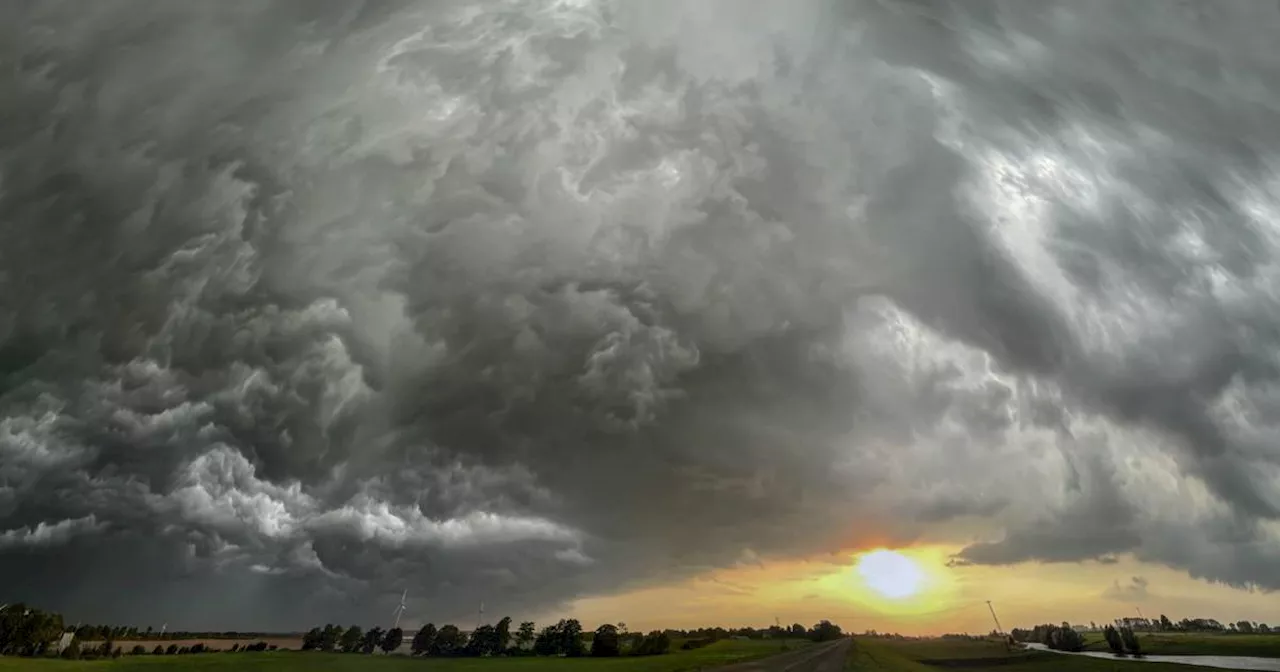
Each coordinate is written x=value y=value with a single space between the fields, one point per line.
x=944 y=598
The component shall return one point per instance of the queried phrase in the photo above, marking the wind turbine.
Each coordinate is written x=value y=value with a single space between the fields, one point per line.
x=400 y=609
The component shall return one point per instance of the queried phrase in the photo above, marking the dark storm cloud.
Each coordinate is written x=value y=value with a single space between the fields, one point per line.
x=304 y=303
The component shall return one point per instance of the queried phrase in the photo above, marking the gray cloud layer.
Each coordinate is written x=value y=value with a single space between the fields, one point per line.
x=302 y=303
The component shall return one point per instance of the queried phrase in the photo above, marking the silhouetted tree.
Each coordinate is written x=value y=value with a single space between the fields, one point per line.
x=503 y=629
x=525 y=635
x=372 y=640
x=329 y=637
x=1114 y=642
x=571 y=638
x=655 y=643
x=605 y=642
x=449 y=641
x=72 y=652
x=25 y=631
x=826 y=631
x=1131 y=641
x=482 y=642
x=351 y=639
x=422 y=641
x=392 y=640
x=545 y=644
x=311 y=640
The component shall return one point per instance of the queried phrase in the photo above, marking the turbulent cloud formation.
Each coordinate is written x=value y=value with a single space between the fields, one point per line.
x=305 y=302
x=1133 y=589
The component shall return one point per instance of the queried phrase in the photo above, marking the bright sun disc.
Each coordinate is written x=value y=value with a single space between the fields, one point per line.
x=891 y=574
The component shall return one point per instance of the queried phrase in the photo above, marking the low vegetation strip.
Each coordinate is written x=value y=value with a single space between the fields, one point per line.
x=692 y=660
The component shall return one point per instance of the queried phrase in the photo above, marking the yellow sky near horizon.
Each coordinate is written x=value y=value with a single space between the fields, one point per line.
x=949 y=599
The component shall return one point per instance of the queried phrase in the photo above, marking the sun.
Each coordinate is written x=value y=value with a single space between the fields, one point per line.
x=890 y=573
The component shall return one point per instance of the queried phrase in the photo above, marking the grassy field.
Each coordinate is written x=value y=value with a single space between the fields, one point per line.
x=1198 y=644
x=938 y=655
x=720 y=653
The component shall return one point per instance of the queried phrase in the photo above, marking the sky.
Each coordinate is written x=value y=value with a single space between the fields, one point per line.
x=656 y=312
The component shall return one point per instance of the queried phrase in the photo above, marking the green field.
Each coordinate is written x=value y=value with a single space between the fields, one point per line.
x=1198 y=644
x=941 y=655
x=717 y=654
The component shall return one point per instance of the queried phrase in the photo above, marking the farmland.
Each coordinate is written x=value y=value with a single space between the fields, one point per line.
x=1199 y=644
x=720 y=653
x=934 y=655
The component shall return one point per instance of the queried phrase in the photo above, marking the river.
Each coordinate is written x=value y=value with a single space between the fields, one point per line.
x=1224 y=662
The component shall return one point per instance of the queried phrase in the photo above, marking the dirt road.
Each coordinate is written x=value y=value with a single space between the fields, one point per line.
x=827 y=657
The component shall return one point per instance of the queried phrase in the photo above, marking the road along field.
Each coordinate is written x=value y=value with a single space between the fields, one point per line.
x=715 y=655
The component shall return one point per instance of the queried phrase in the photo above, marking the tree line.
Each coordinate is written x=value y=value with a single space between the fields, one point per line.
x=1058 y=637
x=565 y=638
x=109 y=649
x=27 y=631
x=1165 y=624
x=125 y=633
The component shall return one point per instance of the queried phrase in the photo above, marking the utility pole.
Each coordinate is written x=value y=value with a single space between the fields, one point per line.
x=999 y=629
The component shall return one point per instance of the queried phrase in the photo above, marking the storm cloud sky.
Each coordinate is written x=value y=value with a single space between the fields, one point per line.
x=306 y=302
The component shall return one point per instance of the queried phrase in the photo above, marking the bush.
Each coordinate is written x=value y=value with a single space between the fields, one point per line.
x=1130 y=641
x=655 y=643
x=138 y=650
x=1114 y=642
x=691 y=644
x=605 y=643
